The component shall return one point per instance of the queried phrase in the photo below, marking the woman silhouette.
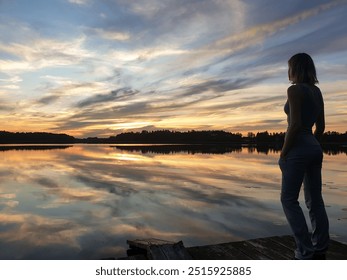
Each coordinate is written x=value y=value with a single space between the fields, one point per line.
x=301 y=159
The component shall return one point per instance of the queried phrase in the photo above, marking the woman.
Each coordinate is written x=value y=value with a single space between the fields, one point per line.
x=301 y=159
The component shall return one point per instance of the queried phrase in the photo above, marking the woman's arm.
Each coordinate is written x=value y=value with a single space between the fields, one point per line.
x=320 y=125
x=294 y=99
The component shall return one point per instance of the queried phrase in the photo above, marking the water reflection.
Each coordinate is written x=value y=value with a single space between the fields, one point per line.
x=85 y=201
x=32 y=147
x=189 y=149
x=218 y=149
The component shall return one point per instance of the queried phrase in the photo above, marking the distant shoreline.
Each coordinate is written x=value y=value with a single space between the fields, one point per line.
x=210 y=137
x=169 y=148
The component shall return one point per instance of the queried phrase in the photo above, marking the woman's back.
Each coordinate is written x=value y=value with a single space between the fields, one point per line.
x=312 y=106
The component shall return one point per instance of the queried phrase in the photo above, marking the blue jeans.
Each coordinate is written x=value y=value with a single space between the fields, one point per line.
x=303 y=164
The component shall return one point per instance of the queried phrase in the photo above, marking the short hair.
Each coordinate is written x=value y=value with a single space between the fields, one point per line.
x=302 y=69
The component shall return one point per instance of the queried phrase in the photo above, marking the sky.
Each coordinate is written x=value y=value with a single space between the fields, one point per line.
x=99 y=68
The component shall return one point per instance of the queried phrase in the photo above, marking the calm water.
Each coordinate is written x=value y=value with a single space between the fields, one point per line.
x=84 y=202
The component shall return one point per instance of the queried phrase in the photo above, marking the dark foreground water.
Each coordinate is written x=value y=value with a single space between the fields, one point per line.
x=84 y=202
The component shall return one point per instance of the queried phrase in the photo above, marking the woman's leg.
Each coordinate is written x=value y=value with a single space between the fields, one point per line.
x=315 y=204
x=293 y=171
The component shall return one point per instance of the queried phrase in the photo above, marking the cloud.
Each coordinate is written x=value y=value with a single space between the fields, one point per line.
x=252 y=102
x=79 y=2
x=221 y=86
x=5 y=107
x=133 y=109
x=42 y=53
x=212 y=57
x=184 y=22
x=48 y=99
x=157 y=103
x=119 y=94
x=12 y=80
x=109 y=34
x=244 y=42
x=66 y=89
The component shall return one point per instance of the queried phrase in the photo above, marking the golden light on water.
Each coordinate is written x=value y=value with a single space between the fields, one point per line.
x=111 y=194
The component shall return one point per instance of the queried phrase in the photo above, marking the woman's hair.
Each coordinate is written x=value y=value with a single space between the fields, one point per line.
x=302 y=69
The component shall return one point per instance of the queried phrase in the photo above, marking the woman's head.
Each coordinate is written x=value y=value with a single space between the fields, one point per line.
x=301 y=69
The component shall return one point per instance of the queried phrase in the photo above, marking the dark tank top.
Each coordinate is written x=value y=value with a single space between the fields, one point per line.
x=311 y=107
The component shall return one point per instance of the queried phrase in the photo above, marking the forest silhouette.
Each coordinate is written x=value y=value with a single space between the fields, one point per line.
x=164 y=137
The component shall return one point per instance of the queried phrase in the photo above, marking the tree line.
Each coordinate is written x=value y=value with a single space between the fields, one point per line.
x=35 y=138
x=163 y=137
x=177 y=137
x=214 y=136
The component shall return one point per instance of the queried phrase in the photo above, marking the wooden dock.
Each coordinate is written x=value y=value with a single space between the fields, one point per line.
x=269 y=248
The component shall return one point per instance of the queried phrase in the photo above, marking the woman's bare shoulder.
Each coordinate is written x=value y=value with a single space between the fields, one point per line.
x=295 y=90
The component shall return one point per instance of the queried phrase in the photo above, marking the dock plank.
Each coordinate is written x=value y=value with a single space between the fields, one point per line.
x=337 y=251
x=216 y=252
x=174 y=251
x=157 y=249
x=250 y=250
x=286 y=241
x=235 y=254
x=272 y=249
x=146 y=243
x=267 y=248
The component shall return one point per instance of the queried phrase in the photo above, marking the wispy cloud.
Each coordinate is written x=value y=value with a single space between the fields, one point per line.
x=69 y=89
x=5 y=108
x=79 y=2
x=43 y=53
x=109 y=34
x=119 y=94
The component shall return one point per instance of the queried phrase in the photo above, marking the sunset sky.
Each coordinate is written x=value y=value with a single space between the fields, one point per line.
x=97 y=68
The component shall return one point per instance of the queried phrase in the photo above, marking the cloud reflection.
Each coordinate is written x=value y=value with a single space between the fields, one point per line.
x=84 y=202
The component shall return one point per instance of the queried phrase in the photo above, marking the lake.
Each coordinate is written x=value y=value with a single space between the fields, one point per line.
x=85 y=201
